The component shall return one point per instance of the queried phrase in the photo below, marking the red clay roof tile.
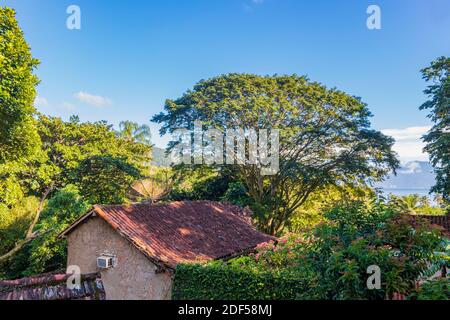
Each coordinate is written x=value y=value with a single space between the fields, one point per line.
x=184 y=232
x=52 y=287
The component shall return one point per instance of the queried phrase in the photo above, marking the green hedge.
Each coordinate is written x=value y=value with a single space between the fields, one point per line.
x=223 y=282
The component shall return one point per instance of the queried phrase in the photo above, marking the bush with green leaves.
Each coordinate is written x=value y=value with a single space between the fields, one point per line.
x=438 y=289
x=14 y=222
x=437 y=140
x=416 y=204
x=199 y=182
x=105 y=179
x=332 y=259
x=328 y=196
x=223 y=281
x=47 y=252
x=237 y=194
x=357 y=237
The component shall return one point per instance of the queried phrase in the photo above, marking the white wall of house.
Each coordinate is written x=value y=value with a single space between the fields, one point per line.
x=133 y=276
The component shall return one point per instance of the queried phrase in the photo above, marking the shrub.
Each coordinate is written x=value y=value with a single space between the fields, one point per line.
x=438 y=289
x=221 y=281
x=330 y=262
x=359 y=236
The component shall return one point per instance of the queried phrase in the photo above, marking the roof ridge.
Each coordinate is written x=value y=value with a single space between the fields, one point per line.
x=161 y=204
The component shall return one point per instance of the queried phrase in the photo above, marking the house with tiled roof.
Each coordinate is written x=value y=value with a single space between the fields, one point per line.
x=136 y=248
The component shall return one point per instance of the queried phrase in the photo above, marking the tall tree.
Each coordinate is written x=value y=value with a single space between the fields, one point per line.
x=132 y=131
x=106 y=179
x=438 y=138
x=325 y=136
x=82 y=154
x=18 y=134
x=67 y=144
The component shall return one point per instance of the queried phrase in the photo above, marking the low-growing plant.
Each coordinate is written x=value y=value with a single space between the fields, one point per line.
x=438 y=289
x=332 y=259
x=224 y=281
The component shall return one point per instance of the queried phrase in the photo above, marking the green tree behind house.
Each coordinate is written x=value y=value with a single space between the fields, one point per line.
x=438 y=138
x=325 y=136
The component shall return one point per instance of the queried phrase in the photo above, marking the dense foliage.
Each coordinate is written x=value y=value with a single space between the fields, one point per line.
x=438 y=138
x=417 y=205
x=201 y=183
x=327 y=197
x=438 y=289
x=88 y=155
x=48 y=252
x=332 y=259
x=325 y=136
x=105 y=179
x=15 y=221
x=18 y=135
x=52 y=171
x=69 y=144
x=219 y=281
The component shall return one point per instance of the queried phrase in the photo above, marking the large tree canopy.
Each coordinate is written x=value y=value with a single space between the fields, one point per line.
x=18 y=135
x=438 y=138
x=67 y=144
x=87 y=155
x=325 y=136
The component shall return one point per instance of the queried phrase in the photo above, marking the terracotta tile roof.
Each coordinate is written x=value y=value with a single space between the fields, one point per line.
x=442 y=221
x=52 y=287
x=182 y=232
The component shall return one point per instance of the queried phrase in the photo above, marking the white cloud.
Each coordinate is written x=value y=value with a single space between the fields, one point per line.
x=68 y=106
x=411 y=168
x=409 y=144
x=40 y=102
x=93 y=100
x=249 y=6
x=407 y=134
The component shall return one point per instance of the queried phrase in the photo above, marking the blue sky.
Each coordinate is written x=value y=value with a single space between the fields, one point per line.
x=129 y=56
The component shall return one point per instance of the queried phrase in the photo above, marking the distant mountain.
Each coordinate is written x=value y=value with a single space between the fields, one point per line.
x=159 y=157
x=412 y=175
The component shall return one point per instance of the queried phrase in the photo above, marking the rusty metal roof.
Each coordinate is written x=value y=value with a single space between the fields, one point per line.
x=182 y=232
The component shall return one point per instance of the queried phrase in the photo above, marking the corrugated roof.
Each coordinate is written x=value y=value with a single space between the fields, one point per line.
x=182 y=232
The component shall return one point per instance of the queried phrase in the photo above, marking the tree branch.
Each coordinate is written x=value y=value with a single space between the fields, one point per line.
x=30 y=235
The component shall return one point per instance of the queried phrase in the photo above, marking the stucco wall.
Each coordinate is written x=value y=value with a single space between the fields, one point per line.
x=133 y=277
